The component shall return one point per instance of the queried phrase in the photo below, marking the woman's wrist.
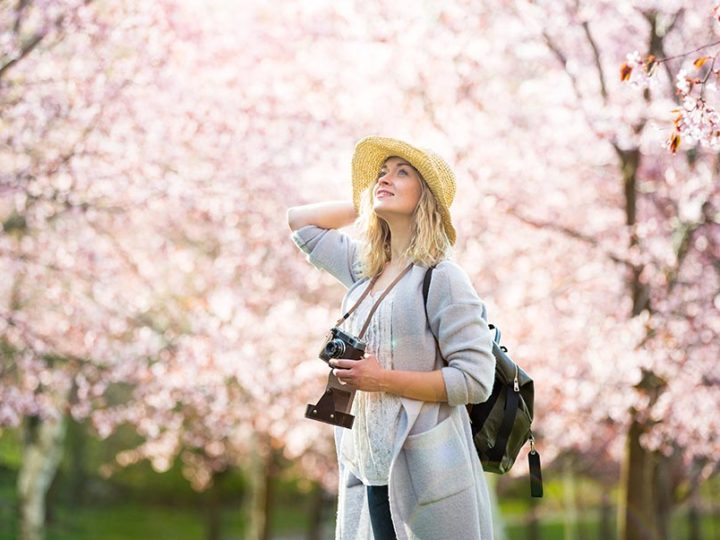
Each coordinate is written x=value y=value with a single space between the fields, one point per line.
x=386 y=381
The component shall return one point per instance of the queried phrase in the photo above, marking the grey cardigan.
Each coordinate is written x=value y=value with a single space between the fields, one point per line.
x=437 y=487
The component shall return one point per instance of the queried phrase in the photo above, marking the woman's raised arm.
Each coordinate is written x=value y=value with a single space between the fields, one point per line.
x=327 y=215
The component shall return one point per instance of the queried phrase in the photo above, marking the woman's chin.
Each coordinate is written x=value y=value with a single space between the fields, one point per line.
x=386 y=212
x=382 y=205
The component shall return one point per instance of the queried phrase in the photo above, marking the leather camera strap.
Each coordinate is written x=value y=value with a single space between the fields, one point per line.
x=357 y=302
x=383 y=295
x=377 y=302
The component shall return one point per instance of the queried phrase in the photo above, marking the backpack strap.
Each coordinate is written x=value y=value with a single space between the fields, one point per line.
x=426 y=289
x=503 y=434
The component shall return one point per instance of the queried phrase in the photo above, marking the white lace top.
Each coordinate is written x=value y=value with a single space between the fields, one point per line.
x=368 y=447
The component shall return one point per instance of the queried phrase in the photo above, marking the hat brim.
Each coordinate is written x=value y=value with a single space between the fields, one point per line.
x=370 y=154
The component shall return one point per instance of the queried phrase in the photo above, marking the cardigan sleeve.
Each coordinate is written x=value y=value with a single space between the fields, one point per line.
x=330 y=250
x=458 y=318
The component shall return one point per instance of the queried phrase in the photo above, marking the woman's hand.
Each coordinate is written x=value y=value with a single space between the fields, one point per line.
x=365 y=374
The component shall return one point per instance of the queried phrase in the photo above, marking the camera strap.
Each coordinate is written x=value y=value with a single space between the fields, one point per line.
x=377 y=302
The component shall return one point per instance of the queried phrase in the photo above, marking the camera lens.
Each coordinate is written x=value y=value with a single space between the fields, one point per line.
x=335 y=348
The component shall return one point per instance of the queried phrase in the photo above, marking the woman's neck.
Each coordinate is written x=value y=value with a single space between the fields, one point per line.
x=401 y=233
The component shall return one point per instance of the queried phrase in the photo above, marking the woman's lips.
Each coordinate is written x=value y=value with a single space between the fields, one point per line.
x=382 y=194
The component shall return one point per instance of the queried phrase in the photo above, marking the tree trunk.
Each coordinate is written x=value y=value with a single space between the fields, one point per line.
x=636 y=512
x=694 y=512
x=662 y=495
x=213 y=507
x=262 y=495
x=42 y=450
x=639 y=505
x=77 y=452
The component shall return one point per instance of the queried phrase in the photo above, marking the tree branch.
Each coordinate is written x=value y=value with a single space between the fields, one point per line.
x=35 y=40
x=24 y=51
x=688 y=231
x=22 y=4
x=598 y=63
x=569 y=232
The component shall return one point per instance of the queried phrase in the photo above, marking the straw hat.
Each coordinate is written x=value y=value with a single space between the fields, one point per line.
x=371 y=153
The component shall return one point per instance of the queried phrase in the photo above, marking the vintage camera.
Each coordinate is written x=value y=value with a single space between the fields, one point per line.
x=335 y=404
x=339 y=344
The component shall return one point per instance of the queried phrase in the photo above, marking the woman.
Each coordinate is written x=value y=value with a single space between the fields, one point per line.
x=408 y=468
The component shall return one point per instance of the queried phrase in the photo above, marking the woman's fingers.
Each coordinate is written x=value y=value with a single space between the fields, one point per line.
x=342 y=363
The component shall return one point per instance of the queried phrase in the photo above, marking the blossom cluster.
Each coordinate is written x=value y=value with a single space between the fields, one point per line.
x=638 y=70
x=695 y=120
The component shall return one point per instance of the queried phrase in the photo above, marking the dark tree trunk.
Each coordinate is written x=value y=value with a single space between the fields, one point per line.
x=213 y=507
x=77 y=454
x=663 y=494
x=694 y=512
x=634 y=512
x=644 y=475
x=637 y=511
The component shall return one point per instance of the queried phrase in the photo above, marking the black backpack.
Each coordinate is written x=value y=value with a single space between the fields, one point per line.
x=501 y=424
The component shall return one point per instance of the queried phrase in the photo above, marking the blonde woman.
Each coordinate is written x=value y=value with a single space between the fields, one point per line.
x=408 y=468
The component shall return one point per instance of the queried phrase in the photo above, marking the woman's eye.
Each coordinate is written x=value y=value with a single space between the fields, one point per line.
x=403 y=171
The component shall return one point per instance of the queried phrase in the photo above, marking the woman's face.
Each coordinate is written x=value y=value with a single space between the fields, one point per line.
x=397 y=189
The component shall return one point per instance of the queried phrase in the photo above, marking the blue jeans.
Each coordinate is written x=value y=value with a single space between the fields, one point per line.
x=379 y=506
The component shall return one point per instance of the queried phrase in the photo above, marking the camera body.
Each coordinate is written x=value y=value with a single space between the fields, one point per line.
x=339 y=344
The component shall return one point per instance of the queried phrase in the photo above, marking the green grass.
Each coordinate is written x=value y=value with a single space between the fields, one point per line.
x=151 y=522
x=133 y=521
x=587 y=528
x=124 y=522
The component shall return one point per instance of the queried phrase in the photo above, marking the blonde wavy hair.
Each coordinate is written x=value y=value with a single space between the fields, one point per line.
x=429 y=244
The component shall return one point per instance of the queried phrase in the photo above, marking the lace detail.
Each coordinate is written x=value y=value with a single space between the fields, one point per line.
x=367 y=450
